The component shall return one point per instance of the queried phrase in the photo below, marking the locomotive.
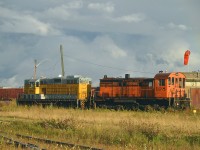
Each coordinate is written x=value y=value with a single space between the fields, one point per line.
x=165 y=89
x=61 y=91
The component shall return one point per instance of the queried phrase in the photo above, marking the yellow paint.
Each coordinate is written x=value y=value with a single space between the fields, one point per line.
x=81 y=90
x=194 y=111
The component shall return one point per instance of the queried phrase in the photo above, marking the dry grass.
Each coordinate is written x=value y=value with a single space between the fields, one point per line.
x=108 y=129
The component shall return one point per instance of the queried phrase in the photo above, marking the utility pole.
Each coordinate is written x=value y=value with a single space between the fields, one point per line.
x=62 y=63
x=35 y=68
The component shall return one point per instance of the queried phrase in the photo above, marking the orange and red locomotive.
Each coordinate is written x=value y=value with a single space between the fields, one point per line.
x=165 y=89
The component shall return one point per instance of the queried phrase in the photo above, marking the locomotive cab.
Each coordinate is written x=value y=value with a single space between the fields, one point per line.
x=169 y=85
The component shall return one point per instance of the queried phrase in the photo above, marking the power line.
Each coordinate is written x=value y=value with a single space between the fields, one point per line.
x=116 y=68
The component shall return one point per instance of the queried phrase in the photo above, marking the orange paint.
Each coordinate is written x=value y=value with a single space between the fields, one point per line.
x=186 y=57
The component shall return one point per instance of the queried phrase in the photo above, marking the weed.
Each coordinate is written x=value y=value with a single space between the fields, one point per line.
x=105 y=128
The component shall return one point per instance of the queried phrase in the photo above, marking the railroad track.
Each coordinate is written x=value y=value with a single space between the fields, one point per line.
x=27 y=145
x=19 y=144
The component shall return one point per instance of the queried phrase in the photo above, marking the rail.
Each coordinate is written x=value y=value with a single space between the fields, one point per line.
x=17 y=143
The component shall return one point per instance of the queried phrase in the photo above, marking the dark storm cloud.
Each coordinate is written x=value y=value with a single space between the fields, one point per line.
x=161 y=61
x=99 y=37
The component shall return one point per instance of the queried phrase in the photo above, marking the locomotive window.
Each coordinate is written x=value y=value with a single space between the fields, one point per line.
x=180 y=83
x=75 y=82
x=183 y=82
x=37 y=84
x=150 y=84
x=162 y=82
x=32 y=84
x=57 y=80
x=69 y=81
x=172 y=80
x=169 y=81
x=43 y=82
x=176 y=79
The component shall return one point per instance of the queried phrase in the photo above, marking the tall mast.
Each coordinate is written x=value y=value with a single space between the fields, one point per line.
x=35 y=69
x=62 y=63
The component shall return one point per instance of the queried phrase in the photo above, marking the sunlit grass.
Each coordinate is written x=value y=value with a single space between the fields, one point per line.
x=104 y=128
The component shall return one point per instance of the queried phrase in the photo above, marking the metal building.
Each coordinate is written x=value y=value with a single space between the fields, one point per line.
x=192 y=88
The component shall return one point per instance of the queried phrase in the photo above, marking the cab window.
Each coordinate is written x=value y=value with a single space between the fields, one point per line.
x=176 y=79
x=37 y=84
x=172 y=80
x=169 y=81
x=150 y=84
x=180 y=83
x=161 y=82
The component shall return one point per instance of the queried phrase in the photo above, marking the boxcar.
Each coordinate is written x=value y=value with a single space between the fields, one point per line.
x=10 y=93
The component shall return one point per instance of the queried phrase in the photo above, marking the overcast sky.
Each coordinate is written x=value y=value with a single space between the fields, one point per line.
x=99 y=37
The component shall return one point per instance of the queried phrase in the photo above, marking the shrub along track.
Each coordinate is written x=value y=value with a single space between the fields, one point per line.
x=28 y=145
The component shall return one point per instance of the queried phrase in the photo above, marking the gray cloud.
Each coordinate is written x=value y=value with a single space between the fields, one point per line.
x=99 y=37
x=130 y=18
x=16 y=22
x=105 y=7
x=180 y=26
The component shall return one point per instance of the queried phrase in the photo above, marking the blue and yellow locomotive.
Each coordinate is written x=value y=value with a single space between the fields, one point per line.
x=72 y=90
